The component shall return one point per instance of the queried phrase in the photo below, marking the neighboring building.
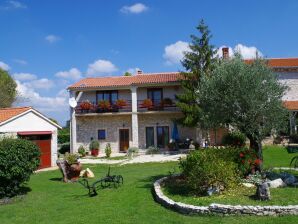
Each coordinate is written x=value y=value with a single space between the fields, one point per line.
x=136 y=122
x=28 y=123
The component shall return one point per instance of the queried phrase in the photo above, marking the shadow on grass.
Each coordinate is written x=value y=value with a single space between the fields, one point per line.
x=20 y=196
x=59 y=179
x=149 y=181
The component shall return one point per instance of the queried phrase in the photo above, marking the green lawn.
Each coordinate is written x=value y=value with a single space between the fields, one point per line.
x=277 y=156
x=51 y=201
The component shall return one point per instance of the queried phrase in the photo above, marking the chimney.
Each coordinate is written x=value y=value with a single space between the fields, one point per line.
x=139 y=72
x=225 y=53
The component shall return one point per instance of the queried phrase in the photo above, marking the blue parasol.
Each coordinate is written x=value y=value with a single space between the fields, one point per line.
x=175 y=134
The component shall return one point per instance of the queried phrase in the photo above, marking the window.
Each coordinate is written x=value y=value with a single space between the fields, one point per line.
x=162 y=136
x=155 y=95
x=149 y=136
x=111 y=96
x=101 y=134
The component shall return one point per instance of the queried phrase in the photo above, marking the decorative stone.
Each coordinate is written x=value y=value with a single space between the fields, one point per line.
x=276 y=183
x=263 y=192
x=90 y=174
x=290 y=180
x=248 y=185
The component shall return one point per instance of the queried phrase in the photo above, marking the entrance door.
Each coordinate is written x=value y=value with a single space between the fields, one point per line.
x=124 y=139
x=162 y=136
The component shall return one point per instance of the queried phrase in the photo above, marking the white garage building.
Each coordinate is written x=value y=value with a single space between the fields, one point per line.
x=28 y=123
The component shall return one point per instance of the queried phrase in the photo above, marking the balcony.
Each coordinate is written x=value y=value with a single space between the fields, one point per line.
x=87 y=107
x=165 y=104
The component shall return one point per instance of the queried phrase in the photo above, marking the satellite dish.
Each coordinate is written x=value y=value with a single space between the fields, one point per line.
x=72 y=102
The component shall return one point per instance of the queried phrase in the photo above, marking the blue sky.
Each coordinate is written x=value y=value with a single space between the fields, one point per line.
x=47 y=45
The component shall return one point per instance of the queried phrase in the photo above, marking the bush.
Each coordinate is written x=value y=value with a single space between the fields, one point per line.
x=206 y=169
x=82 y=151
x=152 y=150
x=64 y=148
x=108 y=150
x=71 y=158
x=94 y=144
x=234 y=139
x=18 y=159
x=132 y=151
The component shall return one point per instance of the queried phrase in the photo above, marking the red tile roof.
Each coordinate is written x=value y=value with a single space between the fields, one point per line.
x=279 y=62
x=291 y=105
x=117 y=81
x=7 y=113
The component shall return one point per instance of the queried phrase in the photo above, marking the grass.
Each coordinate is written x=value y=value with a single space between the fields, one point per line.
x=51 y=201
x=277 y=156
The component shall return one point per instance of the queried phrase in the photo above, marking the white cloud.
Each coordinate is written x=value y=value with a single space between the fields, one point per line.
x=52 y=38
x=43 y=83
x=29 y=96
x=133 y=70
x=20 y=61
x=174 y=53
x=4 y=66
x=73 y=74
x=245 y=51
x=24 y=76
x=13 y=5
x=101 y=67
x=135 y=9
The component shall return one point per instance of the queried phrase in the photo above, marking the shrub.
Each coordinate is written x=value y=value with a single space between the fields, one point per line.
x=18 y=159
x=108 y=150
x=152 y=150
x=234 y=139
x=82 y=151
x=132 y=151
x=94 y=144
x=64 y=148
x=205 y=169
x=71 y=158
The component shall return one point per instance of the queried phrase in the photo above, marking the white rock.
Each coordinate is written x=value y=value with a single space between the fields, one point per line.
x=276 y=183
x=248 y=185
x=89 y=174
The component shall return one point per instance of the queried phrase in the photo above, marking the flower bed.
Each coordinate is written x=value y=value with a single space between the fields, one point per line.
x=220 y=209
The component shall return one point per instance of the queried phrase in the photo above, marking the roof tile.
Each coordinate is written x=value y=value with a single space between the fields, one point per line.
x=8 y=113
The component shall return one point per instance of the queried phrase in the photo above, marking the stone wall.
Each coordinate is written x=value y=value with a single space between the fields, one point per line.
x=220 y=209
x=88 y=126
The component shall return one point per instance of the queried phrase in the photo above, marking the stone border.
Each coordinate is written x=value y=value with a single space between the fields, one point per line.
x=220 y=209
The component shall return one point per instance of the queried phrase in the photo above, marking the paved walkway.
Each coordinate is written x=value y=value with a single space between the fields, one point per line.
x=137 y=159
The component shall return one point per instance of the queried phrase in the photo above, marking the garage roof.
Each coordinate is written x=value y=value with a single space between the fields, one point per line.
x=11 y=113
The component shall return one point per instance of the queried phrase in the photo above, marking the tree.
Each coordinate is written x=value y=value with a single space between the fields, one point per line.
x=127 y=74
x=247 y=97
x=198 y=62
x=8 y=89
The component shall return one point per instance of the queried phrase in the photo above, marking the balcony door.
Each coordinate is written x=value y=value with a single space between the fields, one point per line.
x=110 y=95
x=156 y=95
x=149 y=136
x=162 y=133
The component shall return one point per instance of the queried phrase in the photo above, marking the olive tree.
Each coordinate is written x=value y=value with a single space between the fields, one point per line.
x=8 y=89
x=245 y=96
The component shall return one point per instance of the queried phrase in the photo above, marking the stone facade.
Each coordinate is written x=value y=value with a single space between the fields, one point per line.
x=88 y=126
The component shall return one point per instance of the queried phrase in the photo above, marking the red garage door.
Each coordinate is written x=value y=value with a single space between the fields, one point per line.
x=43 y=141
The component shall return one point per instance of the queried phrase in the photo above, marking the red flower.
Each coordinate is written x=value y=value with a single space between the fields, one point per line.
x=241 y=155
x=258 y=161
x=242 y=161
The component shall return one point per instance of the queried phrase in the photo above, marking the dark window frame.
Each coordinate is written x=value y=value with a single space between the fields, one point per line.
x=163 y=135
x=151 y=127
x=105 y=134
x=110 y=92
x=152 y=90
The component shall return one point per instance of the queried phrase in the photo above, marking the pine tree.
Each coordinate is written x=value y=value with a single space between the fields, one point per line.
x=198 y=62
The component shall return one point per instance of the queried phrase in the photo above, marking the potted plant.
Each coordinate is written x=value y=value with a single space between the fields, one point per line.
x=147 y=103
x=120 y=103
x=104 y=105
x=70 y=167
x=94 y=147
x=167 y=102
x=85 y=105
x=82 y=151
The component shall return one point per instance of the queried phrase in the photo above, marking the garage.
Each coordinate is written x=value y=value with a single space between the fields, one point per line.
x=30 y=124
